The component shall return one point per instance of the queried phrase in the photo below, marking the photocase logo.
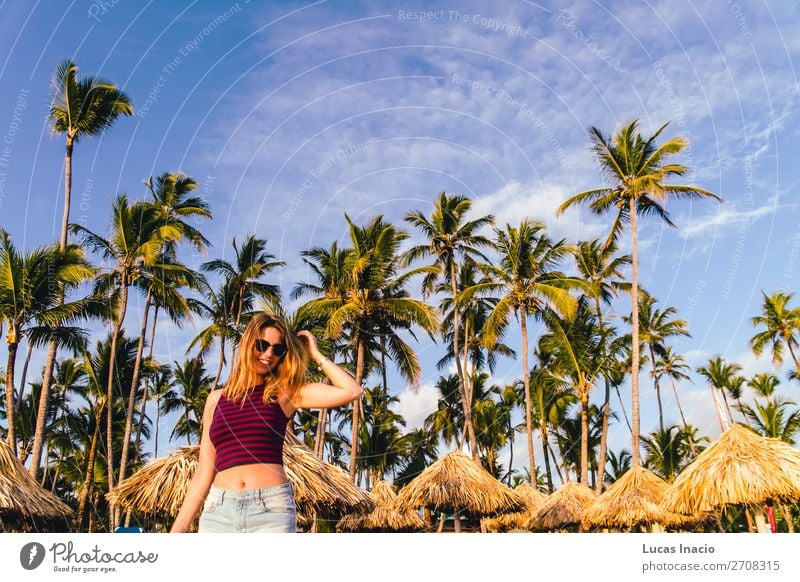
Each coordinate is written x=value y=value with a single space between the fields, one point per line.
x=31 y=555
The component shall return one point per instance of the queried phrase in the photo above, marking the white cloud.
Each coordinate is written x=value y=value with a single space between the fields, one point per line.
x=727 y=221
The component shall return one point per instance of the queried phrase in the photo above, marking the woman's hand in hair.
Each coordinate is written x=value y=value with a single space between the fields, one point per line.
x=311 y=341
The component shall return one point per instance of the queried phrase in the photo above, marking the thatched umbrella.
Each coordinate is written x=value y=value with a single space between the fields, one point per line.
x=159 y=488
x=563 y=509
x=739 y=468
x=386 y=516
x=532 y=499
x=21 y=497
x=632 y=501
x=455 y=483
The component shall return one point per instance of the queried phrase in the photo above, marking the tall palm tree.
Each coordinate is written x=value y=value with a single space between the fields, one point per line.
x=448 y=418
x=376 y=305
x=419 y=449
x=132 y=250
x=31 y=305
x=781 y=325
x=252 y=263
x=655 y=326
x=637 y=168
x=528 y=283
x=80 y=108
x=450 y=237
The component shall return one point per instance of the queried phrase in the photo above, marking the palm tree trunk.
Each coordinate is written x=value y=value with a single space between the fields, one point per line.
x=137 y=366
x=67 y=192
x=89 y=479
x=635 y=460
x=158 y=416
x=44 y=395
x=12 y=356
x=526 y=381
x=123 y=306
x=466 y=403
x=319 y=443
x=678 y=403
x=140 y=424
x=41 y=414
x=622 y=408
x=356 y=407
x=658 y=391
x=221 y=362
x=601 y=459
x=555 y=464
x=24 y=379
x=547 y=468
x=727 y=406
x=584 y=395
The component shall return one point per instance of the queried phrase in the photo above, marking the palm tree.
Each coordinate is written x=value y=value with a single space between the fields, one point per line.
x=655 y=326
x=674 y=367
x=252 y=263
x=721 y=375
x=601 y=268
x=445 y=421
x=637 y=168
x=80 y=108
x=162 y=390
x=379 y=434
x=419 y=449
x=32 y=307
x=528 y=284
x=781 y=325
x=550 y=398
x=376 y=305
x=580 y=356
x=220 y=307
x=773 y=419
x=450 y=237
x=764 y=384
x=620 y=464
x=135 y=243
x=668 y=452
x=193 y=386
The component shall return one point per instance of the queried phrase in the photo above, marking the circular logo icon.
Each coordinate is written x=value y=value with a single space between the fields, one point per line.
x=31 y=555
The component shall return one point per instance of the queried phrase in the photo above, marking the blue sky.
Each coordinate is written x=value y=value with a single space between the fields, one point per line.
x=290 y=114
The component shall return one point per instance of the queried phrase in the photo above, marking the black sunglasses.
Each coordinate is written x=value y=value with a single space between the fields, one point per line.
x=277 y=349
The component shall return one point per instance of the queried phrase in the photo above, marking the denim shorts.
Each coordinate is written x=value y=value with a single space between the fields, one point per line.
x=270 y=509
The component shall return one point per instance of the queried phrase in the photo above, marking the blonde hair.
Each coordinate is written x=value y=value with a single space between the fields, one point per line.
x=290 y=371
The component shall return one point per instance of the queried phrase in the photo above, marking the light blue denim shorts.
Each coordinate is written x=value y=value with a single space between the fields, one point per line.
x=270 y=509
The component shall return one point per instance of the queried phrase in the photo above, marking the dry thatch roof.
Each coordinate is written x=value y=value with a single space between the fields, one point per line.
x=21 y=497
x=633 y=500
x=455 y=483
x=740 y=467
x=387 y=516
x=564 y=508
x=159 y=488
x=532 y=499
x=320 y=487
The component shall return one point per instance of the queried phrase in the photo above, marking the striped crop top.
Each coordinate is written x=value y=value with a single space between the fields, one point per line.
x=248 y=433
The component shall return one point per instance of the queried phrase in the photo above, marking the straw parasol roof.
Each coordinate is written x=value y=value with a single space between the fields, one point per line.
x=455 y=483
x=159 y=488
x=563 y=508
x=633 y=500
x=532 y=499
x=320 y=487
x=21 y=497
x=740 y=467
x=387 y=516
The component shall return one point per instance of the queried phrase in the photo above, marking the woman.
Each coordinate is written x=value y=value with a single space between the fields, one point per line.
x=240 y=479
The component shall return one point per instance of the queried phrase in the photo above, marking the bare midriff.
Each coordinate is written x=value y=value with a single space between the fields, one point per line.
x=254 y=476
